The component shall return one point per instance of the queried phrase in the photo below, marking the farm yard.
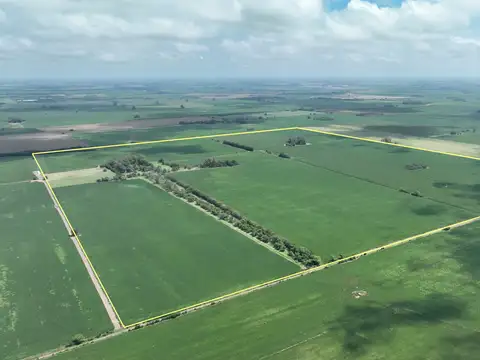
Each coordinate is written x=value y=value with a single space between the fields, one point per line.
x=247 y=246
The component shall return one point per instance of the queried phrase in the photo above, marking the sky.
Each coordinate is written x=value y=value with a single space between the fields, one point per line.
x=238 y=38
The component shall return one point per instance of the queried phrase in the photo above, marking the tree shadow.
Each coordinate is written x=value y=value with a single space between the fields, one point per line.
x=374 y=322
x=399 y=150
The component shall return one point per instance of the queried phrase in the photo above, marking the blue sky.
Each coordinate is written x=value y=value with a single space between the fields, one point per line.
x=238 y=38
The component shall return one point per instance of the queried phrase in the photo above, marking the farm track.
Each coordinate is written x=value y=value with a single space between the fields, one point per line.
x=106 y=303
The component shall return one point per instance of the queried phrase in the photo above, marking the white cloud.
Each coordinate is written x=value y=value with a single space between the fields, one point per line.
x=465 y=41
x=189 y=48
x=134 y=31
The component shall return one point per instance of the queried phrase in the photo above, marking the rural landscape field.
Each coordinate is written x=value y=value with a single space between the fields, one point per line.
x=245 y=221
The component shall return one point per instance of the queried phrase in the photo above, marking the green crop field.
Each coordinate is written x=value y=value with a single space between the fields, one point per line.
x=327 y=212
x=155 y=253
x=421 y=298
x=46 y=296
x=448 y=179
x=190 y=152
x=14 y=169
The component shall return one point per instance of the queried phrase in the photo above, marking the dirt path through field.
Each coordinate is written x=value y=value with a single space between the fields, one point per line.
x=106 y=303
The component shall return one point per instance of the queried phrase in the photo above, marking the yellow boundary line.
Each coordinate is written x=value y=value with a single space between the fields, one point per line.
x=254 y=287
x=384 y=143
x=311 y=270
x=78 y=240
x=164 y=141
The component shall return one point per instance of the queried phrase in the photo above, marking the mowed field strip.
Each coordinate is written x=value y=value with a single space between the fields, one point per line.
x=133 y=320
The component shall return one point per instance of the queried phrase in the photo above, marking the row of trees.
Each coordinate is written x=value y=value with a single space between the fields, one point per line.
x=214 y=163
x=300 y=254
x=237 y=145
x=296 y=140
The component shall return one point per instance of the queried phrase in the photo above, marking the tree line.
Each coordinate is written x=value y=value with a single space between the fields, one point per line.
x=214 y=163
x=237 y=145
x=136 y=165
x=299 y=254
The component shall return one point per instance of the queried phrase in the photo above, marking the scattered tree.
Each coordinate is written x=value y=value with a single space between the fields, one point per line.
x=295 y=141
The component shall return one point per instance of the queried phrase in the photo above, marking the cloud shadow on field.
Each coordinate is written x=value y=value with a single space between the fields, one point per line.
x=373 y=322
x=464 y=247
x=465 y=347
x=172 y=149
x=429 y=210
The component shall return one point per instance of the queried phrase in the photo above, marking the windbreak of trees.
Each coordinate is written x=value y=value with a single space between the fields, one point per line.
x=214 y=163
x=237 y=145
x=299 y=254
x=296 y=140
x=129 y=164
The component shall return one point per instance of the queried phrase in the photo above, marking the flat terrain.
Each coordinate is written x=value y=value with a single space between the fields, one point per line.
x=77 y=177
x=46 y=296
x=327 y=212
x=155 y=254
x=189 y=152
x=421 y=298
x=14 y=169
x=452 y=180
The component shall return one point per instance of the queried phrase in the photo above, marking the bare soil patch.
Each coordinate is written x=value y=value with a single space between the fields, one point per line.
x=338 y=128
x=126 y=125
x=28 y=143
x=77 y=177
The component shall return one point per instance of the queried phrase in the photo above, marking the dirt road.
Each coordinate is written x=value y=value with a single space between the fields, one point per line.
x=106 y=303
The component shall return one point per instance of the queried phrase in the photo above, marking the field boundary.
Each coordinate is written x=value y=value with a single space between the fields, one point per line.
x=60 y=208
x=267 y=283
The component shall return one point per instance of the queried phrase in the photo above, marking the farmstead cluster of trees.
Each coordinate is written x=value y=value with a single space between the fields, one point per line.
x=296 y=140
x=300 y=254
x=214 y=163
x=129 y=164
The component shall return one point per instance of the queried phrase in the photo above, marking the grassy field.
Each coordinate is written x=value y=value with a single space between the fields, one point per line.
x=184 y=152
x=46 y=296
x=13 y=169
x=448 y=179
x=421 y=302
x=327 y=212
x=155 y=254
